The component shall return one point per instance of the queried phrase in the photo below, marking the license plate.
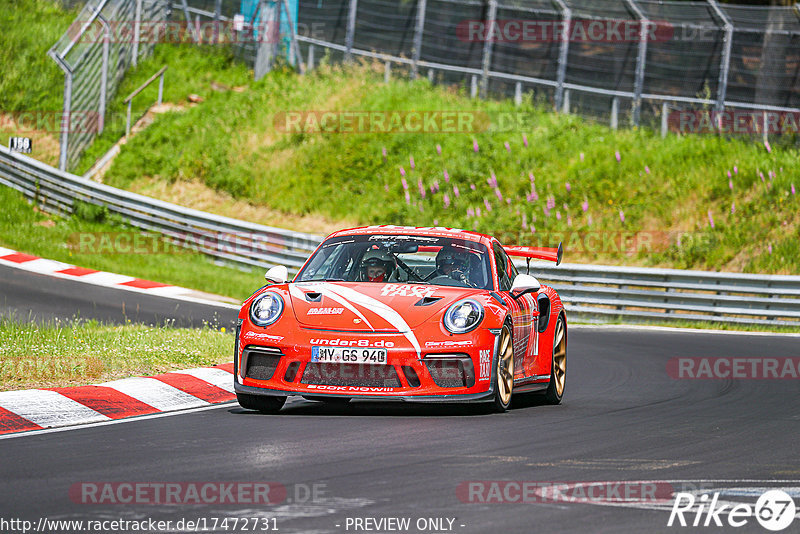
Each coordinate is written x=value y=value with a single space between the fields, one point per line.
x=348 y=355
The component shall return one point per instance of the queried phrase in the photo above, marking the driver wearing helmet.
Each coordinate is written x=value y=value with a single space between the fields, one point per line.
x=453 y=263
x=377 y=266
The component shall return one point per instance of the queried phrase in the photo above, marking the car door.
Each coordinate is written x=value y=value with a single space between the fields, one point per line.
x=522 y=310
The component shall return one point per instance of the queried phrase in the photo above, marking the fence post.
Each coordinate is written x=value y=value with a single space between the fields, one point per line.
x=387 y=71
x=310 y=57
x=295 y=46
x=415 y=53
x=615 y=113
x=217 y=17
x=137 y=21
x=265 y=49
x=563 y=52
x=725 y=60
x=664 y=119
x=565 y=109
x=66 y=121
x=276 y=33
x=641 y=59
x=189 y=24
x=487 y=47
x=473 y=88
x=101 y=119
x=351 y=30
x=161 y=88
x=518 y=93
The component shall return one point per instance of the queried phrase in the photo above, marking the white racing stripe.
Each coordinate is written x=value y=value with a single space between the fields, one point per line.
x=155 y=393
x=325 y=290
x=48 y=408
x=381 y=309
x=216 y=377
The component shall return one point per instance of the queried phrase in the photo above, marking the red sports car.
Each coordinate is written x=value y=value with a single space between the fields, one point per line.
x=413 y=314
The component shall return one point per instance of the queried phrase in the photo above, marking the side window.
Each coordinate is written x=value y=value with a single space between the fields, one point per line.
x=502 y=262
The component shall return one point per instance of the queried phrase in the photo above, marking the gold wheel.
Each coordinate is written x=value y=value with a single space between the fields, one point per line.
x=504 y=370
x=558 y=374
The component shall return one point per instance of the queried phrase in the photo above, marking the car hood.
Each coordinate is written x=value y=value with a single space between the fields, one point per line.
x=370 y=307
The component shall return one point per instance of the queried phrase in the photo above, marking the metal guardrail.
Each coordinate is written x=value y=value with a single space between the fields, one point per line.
x=593 y=292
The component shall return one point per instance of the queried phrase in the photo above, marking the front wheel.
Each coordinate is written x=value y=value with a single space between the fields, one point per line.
x=504 y=371
x=260 y=403
x=558 y=370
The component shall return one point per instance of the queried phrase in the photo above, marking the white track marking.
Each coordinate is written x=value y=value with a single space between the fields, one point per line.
x=48 y=408
x=6 y=251
x=117 y=421
x=157 y=394
x=216 y=377
x=43 y=266
x=106 y=279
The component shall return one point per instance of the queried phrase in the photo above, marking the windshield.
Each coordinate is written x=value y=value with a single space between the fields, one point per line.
x=400 y=259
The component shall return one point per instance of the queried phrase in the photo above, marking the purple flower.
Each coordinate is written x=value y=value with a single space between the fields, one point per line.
x=439 y=149
x=508 y=201
x=421 y=188
x=766 y=145
x=710 y=219
x=533 y=229
x=761 y=174
x=589 y=222
x=488 y=206
x=408 y=198
x=405 y=184
x=508 y=147
x=569 y=187
x=470 y=212
x=546 y=211
x=769 y=247
x=524 y=221
x=582 y=156
x=525 y=140
x=411 y=162
x=551 y=202
x=729 y=174
x=730 y=184
x=472 y=186
x=569 y=220
x=383 y=151
x=793 y=191
x=455 y=191
x=532 y=177
x=647 y=169
x=402 y=171
x=475 y=145
x=585 y=205
x=733 y=208
x=499 y=195
x=446 y=176
x=735 y=169
x=446 y=200
x=558 y=215
x=478 y=212
x=617 y=155
x=621 y=216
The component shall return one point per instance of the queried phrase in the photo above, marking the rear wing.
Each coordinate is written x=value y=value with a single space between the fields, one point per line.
x=540 y=253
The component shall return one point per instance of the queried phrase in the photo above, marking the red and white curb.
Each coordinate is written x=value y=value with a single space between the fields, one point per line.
x=38 y=409
x=59 y=269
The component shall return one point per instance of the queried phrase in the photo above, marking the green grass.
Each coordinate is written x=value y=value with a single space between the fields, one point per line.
x=24 y=229
x=87 y=352
x=662 y=187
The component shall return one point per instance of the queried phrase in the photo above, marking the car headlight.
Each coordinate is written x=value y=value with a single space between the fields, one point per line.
x=463 y=316
x=266 y=308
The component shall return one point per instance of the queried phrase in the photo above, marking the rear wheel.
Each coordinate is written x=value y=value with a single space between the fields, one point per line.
x=504 y=371
x=260 y=403
x=558 y=371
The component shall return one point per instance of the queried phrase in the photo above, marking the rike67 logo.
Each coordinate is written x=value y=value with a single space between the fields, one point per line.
x=774 y=510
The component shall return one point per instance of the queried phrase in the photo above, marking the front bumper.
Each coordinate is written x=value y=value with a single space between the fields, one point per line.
x=449 y=369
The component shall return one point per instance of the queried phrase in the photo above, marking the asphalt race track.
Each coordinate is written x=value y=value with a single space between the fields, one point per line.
x=39 y=297
x=623 y=419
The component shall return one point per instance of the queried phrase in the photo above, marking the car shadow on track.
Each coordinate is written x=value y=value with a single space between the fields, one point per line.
x=371 y=408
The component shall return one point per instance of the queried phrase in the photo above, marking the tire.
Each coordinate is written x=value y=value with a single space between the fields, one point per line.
x=328 y=400
x=558 y=367
x=504 y=371
x=260 y=403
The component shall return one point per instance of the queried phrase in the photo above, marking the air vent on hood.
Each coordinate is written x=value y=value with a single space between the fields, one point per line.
x=427 y=301
x=313 y=297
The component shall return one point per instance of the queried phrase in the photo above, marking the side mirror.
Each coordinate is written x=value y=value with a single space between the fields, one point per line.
x=277 y=275
x=524 y=283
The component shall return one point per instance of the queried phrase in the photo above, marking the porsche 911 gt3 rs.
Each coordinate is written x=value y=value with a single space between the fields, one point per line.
x=413 y=314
